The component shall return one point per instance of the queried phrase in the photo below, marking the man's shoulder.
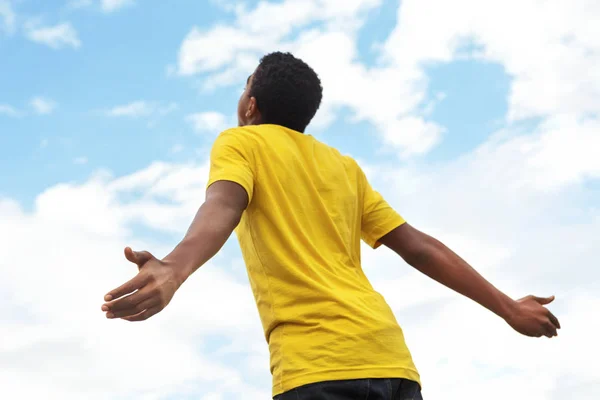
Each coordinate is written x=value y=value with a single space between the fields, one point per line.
x=240 y=138
x=240 y=132
x=349 y=161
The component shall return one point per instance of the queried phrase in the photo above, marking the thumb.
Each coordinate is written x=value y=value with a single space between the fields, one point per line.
x=137 y=257
x=543 y=300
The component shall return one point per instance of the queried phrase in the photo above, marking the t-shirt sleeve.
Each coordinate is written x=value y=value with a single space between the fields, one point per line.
x=378 y=217
x=230 y=160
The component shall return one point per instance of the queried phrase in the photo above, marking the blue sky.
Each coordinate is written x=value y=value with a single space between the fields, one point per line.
x=479 y=122
x=119 y=62
x=124 y=57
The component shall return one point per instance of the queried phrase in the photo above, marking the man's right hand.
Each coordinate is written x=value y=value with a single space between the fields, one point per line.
x=529 y=317
x=148 y=293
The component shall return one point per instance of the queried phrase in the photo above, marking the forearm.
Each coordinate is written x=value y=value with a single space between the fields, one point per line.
x=441 y=264
x=207 y=234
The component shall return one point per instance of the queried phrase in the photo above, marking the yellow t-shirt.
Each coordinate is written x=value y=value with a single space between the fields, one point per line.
x=300 y=238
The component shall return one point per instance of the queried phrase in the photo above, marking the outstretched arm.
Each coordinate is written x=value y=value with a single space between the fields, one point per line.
x=215 y=221
x=431 y=257
x=153 y=287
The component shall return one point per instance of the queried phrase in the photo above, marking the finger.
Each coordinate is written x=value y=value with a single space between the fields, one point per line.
x=134 y=310
x=144 y=315
x=549 y=330
x=131 y=286
x=137 y=257
x=128 y=301
x=543 y=300
x=554 y=320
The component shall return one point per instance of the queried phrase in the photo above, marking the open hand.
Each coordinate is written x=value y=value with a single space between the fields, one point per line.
x=148 y=293
x=531 y=318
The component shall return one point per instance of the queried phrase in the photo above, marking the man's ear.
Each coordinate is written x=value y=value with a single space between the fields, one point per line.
x=253 y=113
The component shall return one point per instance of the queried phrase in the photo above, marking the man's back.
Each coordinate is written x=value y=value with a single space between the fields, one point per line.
x=300 y=237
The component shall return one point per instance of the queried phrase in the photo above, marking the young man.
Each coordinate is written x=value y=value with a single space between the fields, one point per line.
x=300 y=209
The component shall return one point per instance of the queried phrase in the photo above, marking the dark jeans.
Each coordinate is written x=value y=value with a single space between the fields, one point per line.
x=357 y=389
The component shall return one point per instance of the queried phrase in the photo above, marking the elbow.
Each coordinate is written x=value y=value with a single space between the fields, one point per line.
x=417 y=256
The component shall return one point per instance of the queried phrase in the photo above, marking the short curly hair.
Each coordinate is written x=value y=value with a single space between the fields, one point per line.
x=288 y=92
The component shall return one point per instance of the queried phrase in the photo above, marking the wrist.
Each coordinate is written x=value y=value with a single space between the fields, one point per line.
x=180 y=272
x=508 y=309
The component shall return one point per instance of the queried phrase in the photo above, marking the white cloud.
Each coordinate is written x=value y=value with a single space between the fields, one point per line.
x=134 y=109
x=210 y=121
x=413 y=135
x=176 y=149
x=228 y=5
x=7 y=17
x=94 y=220
x=56 y=37
x=167 y=109
x=202 y=50
x=552 y=63
x=574 y=141
x=141 y=108
x=114 y=5
x=77 y=4
x=9 y=110
x=330 y=48
x=107 y=6
x=42 y=105
x=571 y=85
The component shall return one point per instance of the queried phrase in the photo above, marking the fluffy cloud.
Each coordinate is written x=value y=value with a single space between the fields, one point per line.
x=549 y=48
x=77 y=4
x=56 y=36
x=80 y=160
x=7 y=17
x=63 y=330
x=134 y=109
x=107 y=6
x=140 y=108
x=209 y=121
x=114 y=5
x=6 y=109
x=42 y=105
x=552 y=63
x=322 y=32
x=253 y=34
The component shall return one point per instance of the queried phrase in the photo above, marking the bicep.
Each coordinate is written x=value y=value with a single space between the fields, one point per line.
x=228 y=194
x=222 y=209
